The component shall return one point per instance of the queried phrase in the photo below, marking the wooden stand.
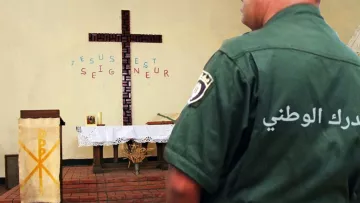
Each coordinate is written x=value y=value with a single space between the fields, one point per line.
x=98 y=159
x=11 y=170
x=48 y=114
x=160 y=147
x=98 y=156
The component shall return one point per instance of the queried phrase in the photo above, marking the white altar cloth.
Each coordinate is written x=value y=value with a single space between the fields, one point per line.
x=114 y=135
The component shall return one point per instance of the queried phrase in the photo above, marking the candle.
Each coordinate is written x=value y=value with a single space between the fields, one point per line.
x=99 y=118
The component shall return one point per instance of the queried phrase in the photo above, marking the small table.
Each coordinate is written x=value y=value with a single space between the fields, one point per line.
x=155 y=132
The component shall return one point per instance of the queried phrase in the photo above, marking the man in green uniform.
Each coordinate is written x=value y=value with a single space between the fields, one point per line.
x=274 y=117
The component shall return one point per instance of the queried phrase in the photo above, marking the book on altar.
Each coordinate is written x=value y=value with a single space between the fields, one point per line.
x=164 y=118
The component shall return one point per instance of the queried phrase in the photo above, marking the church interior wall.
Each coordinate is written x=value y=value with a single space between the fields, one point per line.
x=47 y=62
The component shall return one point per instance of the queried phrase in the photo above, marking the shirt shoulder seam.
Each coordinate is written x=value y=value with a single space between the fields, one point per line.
x=328 y=56
x=243 y=75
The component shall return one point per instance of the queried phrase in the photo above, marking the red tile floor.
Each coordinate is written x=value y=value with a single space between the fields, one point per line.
x=81 y=185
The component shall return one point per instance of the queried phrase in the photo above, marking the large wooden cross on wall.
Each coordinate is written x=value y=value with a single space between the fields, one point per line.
x=125 y=38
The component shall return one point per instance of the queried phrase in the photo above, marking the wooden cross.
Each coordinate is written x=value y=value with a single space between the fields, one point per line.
x=125 y=38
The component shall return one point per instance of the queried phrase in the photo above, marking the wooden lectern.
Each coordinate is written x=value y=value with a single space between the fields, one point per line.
x=47 y=114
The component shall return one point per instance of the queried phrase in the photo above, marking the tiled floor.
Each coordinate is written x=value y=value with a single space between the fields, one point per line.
x=81 y=185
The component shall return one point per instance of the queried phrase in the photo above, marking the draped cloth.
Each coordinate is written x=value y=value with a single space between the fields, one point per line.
x=354 y=42
x=39 y=160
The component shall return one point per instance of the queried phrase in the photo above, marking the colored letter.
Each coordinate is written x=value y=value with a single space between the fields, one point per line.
x=166 y=73
x=136 y=61
x=111 y=72
x=81 y=58
x=83 y=71
x=72 y=63
x=41 y=142
x=154 y=59
x=136 y=70
x=91 y=60
x=100 y=68
x=41 y=145
x=145 y=65
x=93 y=75
x=147 y=75
x=112 y=59
x=102 y=57
x=156 y=70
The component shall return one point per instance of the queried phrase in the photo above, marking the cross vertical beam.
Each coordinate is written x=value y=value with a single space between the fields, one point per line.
x=126 y=68
x=125 y=38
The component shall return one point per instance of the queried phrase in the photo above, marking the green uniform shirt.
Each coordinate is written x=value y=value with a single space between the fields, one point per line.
x=274 y=117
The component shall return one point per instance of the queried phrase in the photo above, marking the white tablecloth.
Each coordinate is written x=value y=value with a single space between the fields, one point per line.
x=113 y=135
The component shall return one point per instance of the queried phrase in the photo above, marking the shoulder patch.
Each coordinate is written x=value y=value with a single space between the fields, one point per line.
x=203 y=84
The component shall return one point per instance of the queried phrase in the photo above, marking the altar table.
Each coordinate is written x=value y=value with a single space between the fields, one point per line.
x=99 y=136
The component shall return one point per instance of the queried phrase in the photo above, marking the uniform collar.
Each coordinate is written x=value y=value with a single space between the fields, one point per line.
x=304 y=9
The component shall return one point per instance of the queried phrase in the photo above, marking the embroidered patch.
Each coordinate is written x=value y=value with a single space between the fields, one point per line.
x=204 y=82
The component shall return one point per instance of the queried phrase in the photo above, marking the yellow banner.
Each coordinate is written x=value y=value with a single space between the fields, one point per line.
x=39 y=160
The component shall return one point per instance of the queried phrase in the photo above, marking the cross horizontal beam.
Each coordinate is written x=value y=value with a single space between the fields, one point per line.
x=114 y=37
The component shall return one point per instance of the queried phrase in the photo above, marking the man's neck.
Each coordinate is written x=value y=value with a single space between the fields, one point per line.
x=276 y=6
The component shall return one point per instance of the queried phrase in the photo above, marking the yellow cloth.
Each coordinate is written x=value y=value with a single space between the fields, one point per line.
x=39 y=160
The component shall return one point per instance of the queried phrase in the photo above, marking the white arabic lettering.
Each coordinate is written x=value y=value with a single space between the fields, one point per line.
x=310 y=118
x=338 y=118
x=357 y=122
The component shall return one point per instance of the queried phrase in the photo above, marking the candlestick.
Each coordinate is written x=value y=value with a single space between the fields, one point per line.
x=100 y=118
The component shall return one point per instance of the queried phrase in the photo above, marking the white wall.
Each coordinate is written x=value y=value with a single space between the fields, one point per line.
x=40 y=39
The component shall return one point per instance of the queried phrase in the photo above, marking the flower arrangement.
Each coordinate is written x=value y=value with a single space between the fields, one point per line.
x=136 y=154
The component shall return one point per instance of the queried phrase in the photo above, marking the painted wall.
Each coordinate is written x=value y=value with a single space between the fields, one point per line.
x=44 y=50
x=343 y=16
